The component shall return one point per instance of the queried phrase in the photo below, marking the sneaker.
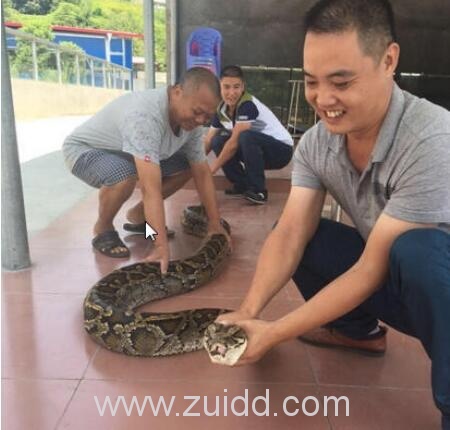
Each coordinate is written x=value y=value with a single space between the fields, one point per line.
x=235 y=191
x=258 y=198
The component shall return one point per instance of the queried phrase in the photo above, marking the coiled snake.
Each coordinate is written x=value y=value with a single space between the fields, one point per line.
x=111 y=319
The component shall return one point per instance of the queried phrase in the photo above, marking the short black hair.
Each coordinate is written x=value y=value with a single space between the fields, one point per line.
x=373 y=21
x=232 y=72
x=197 y=76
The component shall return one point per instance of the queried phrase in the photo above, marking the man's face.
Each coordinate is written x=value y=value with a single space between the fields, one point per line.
x=231 y=90
x=348 y=89
x=193 y=107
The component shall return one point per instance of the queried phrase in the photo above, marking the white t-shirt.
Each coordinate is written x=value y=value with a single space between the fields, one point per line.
x=136 y=123
x=250 y=109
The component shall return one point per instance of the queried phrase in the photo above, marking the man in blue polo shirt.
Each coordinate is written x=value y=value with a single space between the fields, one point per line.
x=247 y=139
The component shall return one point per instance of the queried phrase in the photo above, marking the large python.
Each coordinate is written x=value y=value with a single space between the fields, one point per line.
x=111 y=319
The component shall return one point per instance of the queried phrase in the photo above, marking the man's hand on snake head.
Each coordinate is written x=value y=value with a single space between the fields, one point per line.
x=233 y=317
x=219 y=229
x=259 y=340
x=161 y=255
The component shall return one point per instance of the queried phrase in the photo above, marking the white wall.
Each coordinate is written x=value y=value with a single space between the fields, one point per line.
x=35 y=99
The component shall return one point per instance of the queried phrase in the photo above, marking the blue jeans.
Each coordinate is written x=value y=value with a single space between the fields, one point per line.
x=414 y=299
x=256 y=152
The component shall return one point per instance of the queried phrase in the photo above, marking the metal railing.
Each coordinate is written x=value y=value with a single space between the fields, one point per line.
x=281 y=89
x=301 y=115
x=31 y=57
x=271 y=86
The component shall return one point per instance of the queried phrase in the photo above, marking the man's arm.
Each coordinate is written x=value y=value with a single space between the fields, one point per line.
x=230 y=147
x=339 y=297
x=208 y=139
x=151 y=186
x=282 y=251
x=205 y=186
x=354 y=286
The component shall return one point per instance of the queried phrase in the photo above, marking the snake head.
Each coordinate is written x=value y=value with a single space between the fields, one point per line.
x=225 y=344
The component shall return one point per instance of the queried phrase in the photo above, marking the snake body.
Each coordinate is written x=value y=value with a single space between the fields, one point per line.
x=110 y=307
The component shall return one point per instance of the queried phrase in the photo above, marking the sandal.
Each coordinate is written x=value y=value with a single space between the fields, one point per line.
x=140 y=229
x=107 y=242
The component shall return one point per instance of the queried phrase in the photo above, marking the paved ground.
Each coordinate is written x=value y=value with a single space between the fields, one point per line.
x=52 y=370
x=42 y=136
x=49 y=188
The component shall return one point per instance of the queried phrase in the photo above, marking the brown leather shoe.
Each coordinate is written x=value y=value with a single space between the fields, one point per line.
x=330 y=338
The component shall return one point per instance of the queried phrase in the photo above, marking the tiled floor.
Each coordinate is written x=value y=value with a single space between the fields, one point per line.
x=53 y=373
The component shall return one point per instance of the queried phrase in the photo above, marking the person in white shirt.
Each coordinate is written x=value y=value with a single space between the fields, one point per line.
x=247 y=138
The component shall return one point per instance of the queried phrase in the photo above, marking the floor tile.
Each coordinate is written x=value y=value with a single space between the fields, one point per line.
x=34 y=404
x=405 y=365
x=84 y=413
x=46 y=351
x=42 y=337
x=382 y=409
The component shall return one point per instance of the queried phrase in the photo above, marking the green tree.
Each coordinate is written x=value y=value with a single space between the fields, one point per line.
x=66 y=14
x=75 y=15
x=125 y=15
x=10 y=14
x=68 y=62
x=22 y=59
x=38 y=29
x=86 y=13
x=34 y=7
x=160 y=38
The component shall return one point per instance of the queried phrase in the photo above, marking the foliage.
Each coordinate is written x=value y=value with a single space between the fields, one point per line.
x=72 y=46
x=75 y=13
x=160 y=38
x=68 y=62
x=66 y=14
x=38 y=29
x=22 y=60
x=34 y=7
x=125 y=15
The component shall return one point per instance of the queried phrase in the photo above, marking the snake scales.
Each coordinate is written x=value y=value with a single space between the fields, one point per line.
x=111 y=318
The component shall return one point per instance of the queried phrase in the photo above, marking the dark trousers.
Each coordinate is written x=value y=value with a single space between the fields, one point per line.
x=415 y=298
x=256 y=152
